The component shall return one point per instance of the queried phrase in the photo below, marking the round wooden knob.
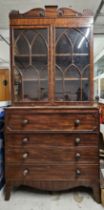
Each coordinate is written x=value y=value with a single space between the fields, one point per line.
x=77 y=122
x=77 y=156
x=25 y=155
x=78 y=172
x=77 y=140
x=25 y=121
x=25 y=172
x=25 y=140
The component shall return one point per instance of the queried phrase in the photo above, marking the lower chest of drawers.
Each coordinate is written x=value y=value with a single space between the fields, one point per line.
x=44 y=156
x=52 y=147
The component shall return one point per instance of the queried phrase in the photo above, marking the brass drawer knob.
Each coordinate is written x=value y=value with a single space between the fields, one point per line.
x=78 y=172
x=77 y=156
x=25 y=140
x=77 y=140
x=77 y=122
x=25 y=121
x=25 y=155
x=25 y=172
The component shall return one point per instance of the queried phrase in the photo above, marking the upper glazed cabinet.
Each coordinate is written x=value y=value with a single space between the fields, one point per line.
x=51 y=57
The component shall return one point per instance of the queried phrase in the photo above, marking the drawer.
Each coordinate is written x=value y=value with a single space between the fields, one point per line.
x=52 y=172
x=49 y=154
x=51 y=139
x=52 y=121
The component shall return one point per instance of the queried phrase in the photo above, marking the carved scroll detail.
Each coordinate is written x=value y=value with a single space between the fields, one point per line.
x=49 y=11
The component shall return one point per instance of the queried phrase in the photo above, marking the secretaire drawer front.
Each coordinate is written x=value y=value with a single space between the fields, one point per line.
x=52 y=121
x=53 y=139
x=52 y=172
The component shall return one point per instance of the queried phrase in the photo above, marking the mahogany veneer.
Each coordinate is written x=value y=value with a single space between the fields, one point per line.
x=52 y=127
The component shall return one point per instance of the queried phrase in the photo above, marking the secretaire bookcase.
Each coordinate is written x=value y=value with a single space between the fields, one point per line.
x=52 y=127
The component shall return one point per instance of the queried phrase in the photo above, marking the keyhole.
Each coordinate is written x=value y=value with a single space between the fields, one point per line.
x=5 y=82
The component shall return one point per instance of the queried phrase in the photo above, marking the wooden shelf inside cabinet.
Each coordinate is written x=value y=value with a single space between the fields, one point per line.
x=32 y=55
x=72 y=54
x=65 y=79
x=69 y=79
x=34 y=80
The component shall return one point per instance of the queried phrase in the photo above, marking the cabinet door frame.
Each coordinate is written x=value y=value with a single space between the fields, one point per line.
x=90 y=101
x=49 y=64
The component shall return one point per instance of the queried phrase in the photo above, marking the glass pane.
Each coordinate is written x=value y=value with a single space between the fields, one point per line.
x=21 y=44
x=31 y=91
x=41 y=64
x=85 y=90
x=72 y=83
x=43 y=90
x=81 y=61
x=81 y=44
x=30 y=35
x=39 y=45
x=63 y=61
x=72 y=61
x=63 y=45
x=59 y=85
x=72 y=72
x=86 y=72
x=59 y=91
x=31 y=64
x=72 y=90
x=21 y=61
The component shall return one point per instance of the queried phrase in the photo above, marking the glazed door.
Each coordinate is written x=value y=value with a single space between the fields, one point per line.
x=30 y=64
x=72 y=69
x=51 y=65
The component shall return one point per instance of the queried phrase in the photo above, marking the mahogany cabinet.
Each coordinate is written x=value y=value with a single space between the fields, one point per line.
x=52 y=127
